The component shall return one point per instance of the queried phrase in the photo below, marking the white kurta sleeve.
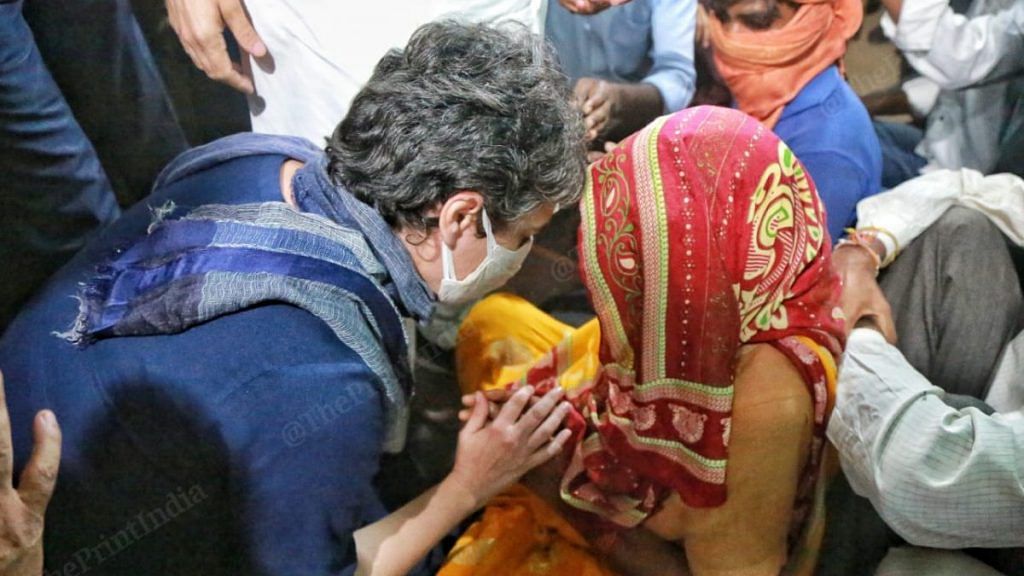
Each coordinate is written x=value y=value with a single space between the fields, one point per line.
x=940 y=477
x=956 y=51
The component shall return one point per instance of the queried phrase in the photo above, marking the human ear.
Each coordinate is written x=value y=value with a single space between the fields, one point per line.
x=459 y=216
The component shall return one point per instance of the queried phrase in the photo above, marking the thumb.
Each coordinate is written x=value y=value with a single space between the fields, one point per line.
x=888 y=327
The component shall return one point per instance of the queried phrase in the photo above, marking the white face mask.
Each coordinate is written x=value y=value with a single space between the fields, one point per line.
x=500 y=265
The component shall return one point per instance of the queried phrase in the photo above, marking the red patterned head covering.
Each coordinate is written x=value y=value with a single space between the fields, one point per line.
x=699 y=234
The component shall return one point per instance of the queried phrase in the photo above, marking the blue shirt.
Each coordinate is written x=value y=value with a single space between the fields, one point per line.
x=829 y=130
x=647 y=41
x=245 y=445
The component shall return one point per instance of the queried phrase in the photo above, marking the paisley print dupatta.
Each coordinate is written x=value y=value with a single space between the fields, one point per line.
x=701 y=233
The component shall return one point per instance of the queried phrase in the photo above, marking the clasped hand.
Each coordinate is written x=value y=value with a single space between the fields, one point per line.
x=506 y=435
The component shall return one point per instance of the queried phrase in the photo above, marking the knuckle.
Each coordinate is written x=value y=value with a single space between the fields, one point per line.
x=26 y=531
x=48 y=473
x=207 y=39
x=509 y=437
x=536 y=415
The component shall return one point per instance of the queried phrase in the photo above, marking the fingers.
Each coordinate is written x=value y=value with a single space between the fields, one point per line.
x=548 y=452
x=886 y=324
x=492 y=413
x=576 y=6
x=888 y=328
x=6 y=449
x=594 y=155
x=597 y=120
x=539 y=412
x=222 y=69
x=494 y=397
x=468 y=401
x=512 y=409
x=597 y=110
x=39 y=477
x=546 y=431
x=478 y=417
x=596 y=99
x=241 y=27
x=200 y=28
x=587 y=7
x=582 y=91
x=499 y=394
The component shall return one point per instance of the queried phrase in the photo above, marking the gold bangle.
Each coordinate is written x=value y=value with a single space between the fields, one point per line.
x=889 y=258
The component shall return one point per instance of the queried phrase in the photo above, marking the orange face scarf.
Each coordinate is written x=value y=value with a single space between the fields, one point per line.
x=766 y=69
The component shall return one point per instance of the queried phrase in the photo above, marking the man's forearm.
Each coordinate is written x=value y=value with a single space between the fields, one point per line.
x=923 y=464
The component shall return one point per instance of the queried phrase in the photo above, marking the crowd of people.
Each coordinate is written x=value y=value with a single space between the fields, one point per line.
x=464 y=287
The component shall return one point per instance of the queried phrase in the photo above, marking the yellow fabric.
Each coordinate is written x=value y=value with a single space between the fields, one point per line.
x=504 y=334
x=519 y=533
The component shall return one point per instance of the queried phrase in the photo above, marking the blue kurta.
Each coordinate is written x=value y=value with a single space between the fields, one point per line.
x=245 y=445
x=829 y=130
x=648 y=41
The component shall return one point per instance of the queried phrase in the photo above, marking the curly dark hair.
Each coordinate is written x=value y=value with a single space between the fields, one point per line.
x=462 y=107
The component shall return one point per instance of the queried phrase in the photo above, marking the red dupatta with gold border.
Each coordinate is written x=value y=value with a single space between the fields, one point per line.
x=699 y=234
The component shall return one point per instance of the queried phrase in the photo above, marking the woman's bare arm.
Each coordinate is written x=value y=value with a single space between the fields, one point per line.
x=770 y=442
x=491 y=456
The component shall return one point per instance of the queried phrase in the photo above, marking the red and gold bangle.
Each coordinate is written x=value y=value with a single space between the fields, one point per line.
x=863 y=240
x=890 y=255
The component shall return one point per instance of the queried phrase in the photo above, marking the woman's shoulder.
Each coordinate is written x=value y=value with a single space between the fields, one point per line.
x=769 y=390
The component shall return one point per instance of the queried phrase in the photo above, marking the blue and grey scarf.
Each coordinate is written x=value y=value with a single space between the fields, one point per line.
x=337 y=260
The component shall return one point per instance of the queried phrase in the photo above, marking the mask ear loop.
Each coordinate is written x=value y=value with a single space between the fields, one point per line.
x=447 y=267
x=489 y=232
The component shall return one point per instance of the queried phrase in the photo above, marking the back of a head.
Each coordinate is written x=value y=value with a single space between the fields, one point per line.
x=462 y=107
